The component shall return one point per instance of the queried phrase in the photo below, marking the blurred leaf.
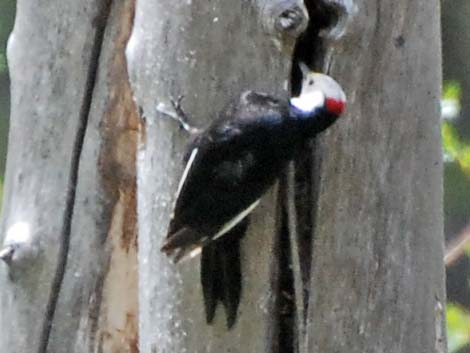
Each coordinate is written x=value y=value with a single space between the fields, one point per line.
x=458 y=328
x=464 y=159
x=450 y=102
x=450 y=140
x=452 y=90
x=454 y=148
x=467 y=252
x=3 y=63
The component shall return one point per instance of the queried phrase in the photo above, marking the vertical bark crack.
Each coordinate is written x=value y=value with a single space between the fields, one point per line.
x=101 y=22
x=299 y=190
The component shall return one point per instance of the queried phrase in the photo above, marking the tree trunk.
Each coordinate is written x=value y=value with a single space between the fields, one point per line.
x=377 y=272
x=71 y=283
x=80 y=157
x=209 y=52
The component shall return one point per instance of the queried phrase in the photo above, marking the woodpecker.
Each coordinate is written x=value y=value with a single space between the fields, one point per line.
x=229 y=166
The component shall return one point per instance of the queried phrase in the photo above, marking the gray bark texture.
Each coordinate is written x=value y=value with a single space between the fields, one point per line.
x=86 y=173
x=210 y=52
x=71 y=284
x=377 y=280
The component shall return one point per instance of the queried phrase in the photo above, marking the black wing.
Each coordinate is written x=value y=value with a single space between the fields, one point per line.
x=225 y=164
x=207 y=197
x=221 y=274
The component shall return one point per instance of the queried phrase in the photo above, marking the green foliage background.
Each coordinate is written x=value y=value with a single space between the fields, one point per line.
x=458 y=327
x=7 y=17
x=457 y=155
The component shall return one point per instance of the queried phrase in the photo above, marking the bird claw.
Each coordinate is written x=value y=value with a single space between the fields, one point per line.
x=176 y=103
x=179 y=115
x=182 y=116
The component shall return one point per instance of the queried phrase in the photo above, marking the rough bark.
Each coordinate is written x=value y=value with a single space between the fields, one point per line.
x=377 y=273
x=72 y=286
x=210 y=52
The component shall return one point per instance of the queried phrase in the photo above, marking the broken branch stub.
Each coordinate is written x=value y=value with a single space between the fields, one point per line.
x=286 y=17
x=19 y=246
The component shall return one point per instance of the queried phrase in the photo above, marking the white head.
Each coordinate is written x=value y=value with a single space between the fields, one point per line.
x=319 y=91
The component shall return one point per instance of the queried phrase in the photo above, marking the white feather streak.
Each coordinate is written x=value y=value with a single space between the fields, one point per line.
x=234 y=221
x=186 y=171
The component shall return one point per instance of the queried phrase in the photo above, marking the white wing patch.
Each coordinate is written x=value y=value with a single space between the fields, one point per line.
x=186 y=171
x=235 y=220
x=308 y=102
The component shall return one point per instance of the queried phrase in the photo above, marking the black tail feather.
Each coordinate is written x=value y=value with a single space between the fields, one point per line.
x=232 y=279
x=221 y=274
x=210 y=279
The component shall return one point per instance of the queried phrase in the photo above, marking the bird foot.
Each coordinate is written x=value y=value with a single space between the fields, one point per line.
x=178 y=115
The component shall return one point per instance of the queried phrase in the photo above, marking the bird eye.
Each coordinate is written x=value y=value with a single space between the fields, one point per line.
x=311 y=82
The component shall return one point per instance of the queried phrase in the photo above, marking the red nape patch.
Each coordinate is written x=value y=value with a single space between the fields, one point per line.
x=335 y=106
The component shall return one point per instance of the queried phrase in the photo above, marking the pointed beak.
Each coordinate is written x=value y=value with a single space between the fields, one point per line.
x=304 y=69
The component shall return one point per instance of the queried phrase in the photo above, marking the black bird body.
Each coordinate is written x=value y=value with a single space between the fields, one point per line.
x=229 y=166
x=235 y=163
